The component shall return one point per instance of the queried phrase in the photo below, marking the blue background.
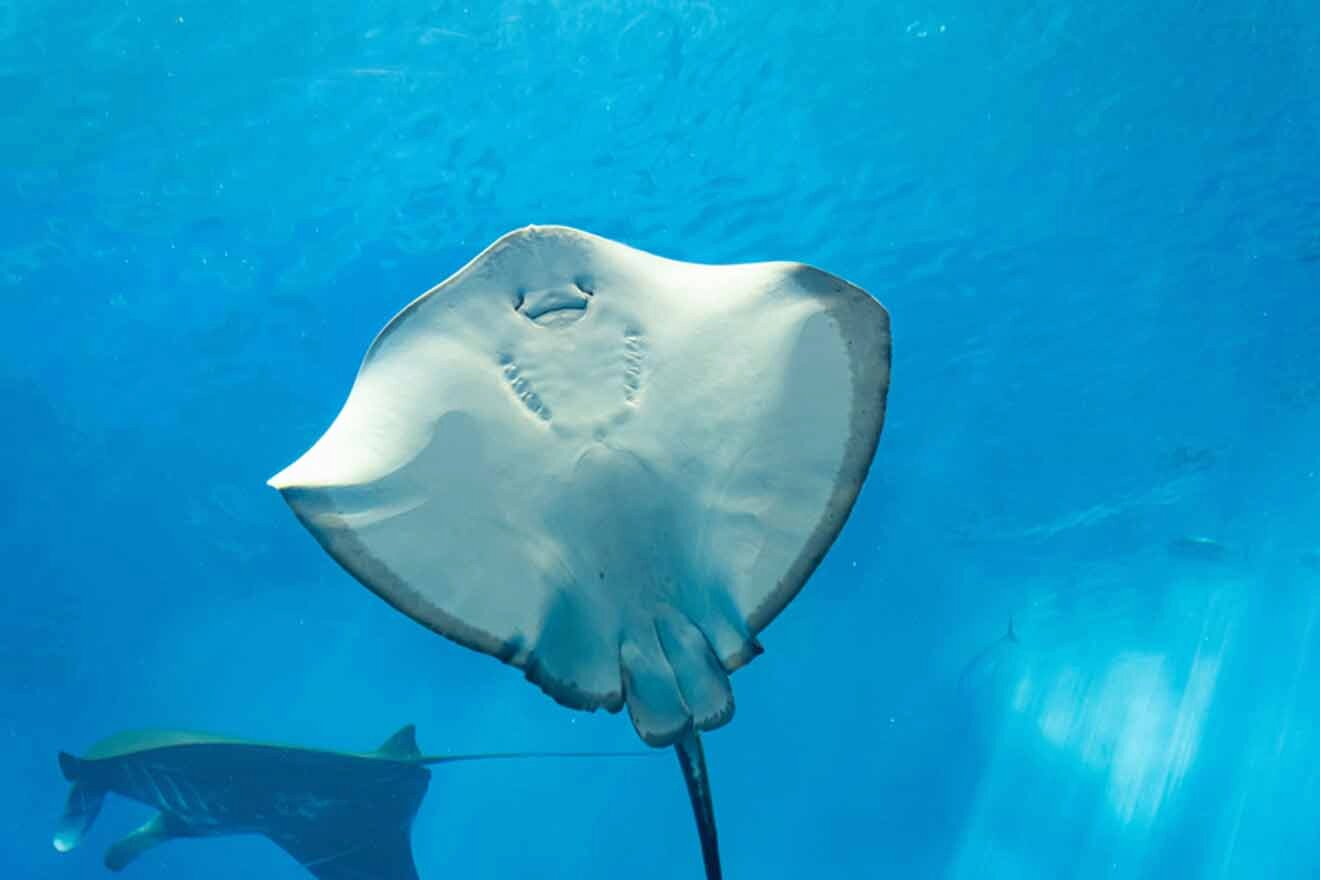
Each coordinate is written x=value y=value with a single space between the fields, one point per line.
x=1096 y=226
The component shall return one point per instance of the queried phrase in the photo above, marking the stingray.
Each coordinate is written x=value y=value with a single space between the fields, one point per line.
x=608 y=469
x=343 y=816
x=989 y=662
x=1198 y=548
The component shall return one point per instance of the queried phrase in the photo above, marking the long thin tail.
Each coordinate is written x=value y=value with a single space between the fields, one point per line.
x=692 y=760
x=499 y=756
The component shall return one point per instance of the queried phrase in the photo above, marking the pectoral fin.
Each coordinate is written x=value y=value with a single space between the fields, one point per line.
x=372 y=853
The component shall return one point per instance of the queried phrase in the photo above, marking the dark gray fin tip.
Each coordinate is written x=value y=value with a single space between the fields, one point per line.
x=402 y=745
x=692 y=760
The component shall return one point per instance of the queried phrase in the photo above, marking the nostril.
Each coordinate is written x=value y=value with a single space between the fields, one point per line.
x=519 y=298
x=584 y=285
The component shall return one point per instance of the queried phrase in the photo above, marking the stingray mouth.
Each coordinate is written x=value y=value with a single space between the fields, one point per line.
x=562 y=304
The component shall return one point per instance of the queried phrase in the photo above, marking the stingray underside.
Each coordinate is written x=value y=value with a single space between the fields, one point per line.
x=606 y=468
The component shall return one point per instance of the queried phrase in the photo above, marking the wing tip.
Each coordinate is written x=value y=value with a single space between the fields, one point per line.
x=69 y=766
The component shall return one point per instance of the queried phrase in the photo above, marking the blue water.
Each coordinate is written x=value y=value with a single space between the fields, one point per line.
x=1096 y=226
